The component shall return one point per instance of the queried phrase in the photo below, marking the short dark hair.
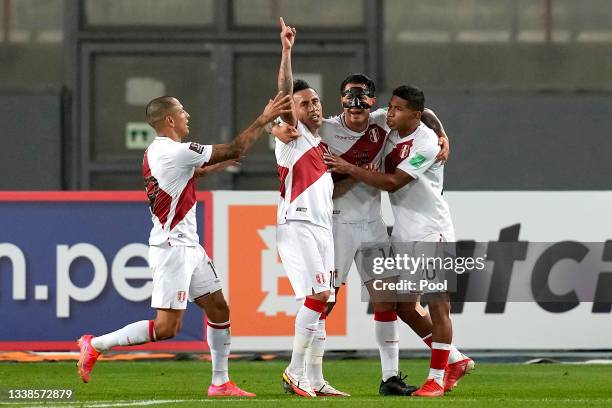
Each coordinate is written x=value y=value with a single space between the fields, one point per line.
x=158 y=108
x=300 y=85
x=411 y=94
x=359 y=78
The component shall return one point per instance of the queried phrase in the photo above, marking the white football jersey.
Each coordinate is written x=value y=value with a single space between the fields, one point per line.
x=168 y=169
x=306 y=187
x=418 y=207
x=362 y=202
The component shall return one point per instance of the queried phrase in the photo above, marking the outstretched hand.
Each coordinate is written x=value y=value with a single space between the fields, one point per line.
x=287 y=35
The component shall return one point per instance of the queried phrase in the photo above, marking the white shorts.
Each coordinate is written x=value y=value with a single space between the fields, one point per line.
x=433 y=248
x=359 y=242
x=307 y=253
x=180 y=273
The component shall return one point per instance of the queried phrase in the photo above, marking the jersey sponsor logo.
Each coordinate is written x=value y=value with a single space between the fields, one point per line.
x=301 y=209
x=196 y=147
x=181 y=296
x=417 y=161
x=343 y=137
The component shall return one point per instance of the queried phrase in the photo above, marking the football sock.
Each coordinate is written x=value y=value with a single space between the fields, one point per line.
x=219 y=339
x=314 y=355
x=306 y=324
x=439 y=359
x=135 y=333
x=387 y=338
x=454 y=356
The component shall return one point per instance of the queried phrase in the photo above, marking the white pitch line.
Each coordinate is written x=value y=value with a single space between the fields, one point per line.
x=131 y=403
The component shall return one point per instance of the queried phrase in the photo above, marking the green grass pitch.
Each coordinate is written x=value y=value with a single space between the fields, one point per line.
x=183 y=384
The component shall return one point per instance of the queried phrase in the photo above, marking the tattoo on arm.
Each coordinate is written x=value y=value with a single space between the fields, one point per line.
x=223 y=152
x=285 y=84
x=285 y=75
x=239 y=146
x=430 y=119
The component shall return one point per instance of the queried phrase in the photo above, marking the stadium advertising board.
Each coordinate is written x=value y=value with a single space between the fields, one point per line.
x=77 y=262
x=74 y=263
x=263 y=307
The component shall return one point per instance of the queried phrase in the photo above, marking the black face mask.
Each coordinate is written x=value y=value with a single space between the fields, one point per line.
x=354 y=96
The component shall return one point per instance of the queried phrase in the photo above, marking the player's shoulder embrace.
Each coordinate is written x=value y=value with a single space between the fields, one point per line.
x=379 y=116
x=426 y=137
x=425 y=133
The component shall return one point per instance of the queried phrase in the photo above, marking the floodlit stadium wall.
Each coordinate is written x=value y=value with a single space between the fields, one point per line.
x=75 y=262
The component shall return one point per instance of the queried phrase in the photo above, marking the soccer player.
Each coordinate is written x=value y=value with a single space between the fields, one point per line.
x=181 y=268
x=304 y=233
x=415 y=182
x=358 y=135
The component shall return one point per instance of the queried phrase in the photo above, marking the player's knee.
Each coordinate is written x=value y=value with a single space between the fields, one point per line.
x=219 y=312
x=439 y=310
x=323 y=296
x=408 y=313
x=221 y=305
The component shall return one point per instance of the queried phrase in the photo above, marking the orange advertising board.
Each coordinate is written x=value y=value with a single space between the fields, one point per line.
x=262 y=300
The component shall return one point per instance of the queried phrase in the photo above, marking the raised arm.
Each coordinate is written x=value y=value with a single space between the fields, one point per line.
x=242 y=143
x=285 y=74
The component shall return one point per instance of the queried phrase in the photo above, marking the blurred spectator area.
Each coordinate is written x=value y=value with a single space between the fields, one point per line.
x=95 y=63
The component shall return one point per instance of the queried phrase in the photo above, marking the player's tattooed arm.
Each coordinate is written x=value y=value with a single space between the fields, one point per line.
x=382 y=181
x=285 y=73
x=341 y=187
x=243 y=142
x=215 y=168
x=430 y=119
